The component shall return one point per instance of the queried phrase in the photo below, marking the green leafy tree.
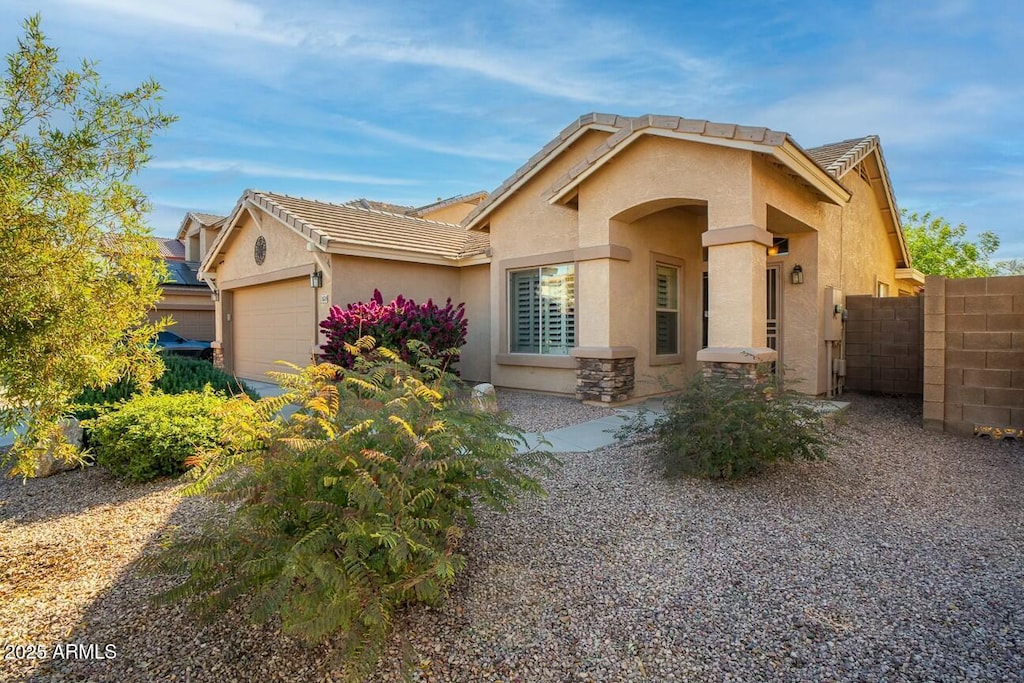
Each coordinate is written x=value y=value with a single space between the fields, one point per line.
x=1013 y=266
x=78 y=269
x=938 y=248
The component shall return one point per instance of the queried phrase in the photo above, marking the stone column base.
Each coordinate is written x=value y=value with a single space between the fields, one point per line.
x=748 y=365
x=608 y=380
x=218 y=355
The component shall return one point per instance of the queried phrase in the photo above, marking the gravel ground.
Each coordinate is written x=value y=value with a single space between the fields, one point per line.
x=901 y=559
x=543 y=412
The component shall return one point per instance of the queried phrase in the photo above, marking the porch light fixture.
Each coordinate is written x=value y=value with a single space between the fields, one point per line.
x=316 y=279
x=797 y=276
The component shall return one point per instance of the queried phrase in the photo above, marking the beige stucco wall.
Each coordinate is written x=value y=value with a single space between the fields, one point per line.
x=474 y=291
x=285 y=250
x=353 y=278
x=525 y=228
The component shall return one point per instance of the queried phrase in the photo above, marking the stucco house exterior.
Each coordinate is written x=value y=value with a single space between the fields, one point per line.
x=185 y=298
x=626 y=255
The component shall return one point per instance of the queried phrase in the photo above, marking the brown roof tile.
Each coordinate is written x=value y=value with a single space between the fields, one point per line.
x=360 y=226
x=170 y=248
x=623 y=127
x=839 y=157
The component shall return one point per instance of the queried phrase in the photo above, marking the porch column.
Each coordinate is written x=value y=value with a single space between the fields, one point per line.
x=737 y=341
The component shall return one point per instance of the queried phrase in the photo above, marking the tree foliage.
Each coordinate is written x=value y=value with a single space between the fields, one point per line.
x=938 y=248
x=350 y=507
x=78 y=269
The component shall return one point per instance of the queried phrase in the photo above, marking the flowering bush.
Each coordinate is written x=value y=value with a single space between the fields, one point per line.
x=393 y=325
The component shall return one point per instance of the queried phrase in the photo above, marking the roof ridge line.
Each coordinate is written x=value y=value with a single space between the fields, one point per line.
x=362 y=208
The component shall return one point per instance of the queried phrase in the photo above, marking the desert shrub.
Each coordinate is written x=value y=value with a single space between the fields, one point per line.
x=721 y=428
x=180 y=375
x=154 y=435
x=350 y=507
x=393 y=325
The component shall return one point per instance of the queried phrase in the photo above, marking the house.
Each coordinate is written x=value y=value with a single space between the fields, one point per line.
x=281 y=262
x=624 y=256
x=185 y=298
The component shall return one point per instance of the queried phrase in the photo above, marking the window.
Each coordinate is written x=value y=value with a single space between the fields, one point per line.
x=883 y=290
x=542 y=310
x=666 y=309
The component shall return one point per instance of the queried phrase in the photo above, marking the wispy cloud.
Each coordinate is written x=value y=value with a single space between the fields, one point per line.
x=209 y=16
x=493 y=149
x=269 y=171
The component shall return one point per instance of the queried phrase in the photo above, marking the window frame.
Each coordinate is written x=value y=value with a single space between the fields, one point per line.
x=666 y=261
x=510 y=322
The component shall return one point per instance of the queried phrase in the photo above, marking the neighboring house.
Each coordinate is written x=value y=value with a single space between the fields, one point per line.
x=185 y=298
x=280 y=262
x=626 y=255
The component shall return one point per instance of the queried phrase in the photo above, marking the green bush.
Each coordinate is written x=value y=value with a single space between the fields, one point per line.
x=721 y=428
x=180 y=375
x=352 y=506
x=153 y=435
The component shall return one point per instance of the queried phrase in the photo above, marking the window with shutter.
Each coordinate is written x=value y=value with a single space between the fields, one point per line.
x=666 y=309
x=542 y=310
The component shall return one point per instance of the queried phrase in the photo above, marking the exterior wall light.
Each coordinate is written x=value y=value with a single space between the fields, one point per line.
x=316 y=279
x=797 y=276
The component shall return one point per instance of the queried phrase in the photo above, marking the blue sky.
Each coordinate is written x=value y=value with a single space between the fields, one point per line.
x=408 y=102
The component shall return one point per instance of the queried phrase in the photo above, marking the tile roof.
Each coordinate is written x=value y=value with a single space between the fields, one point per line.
x=346 y=224
x=381 y=206
x=206 y=219
x=170 y=248
x=622 y=127
x=839 y=157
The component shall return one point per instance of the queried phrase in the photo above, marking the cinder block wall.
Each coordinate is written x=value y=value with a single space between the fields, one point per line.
x=974 y=353
x=884 y=351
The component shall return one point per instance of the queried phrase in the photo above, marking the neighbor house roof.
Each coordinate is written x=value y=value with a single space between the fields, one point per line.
x=374 y=205
x=206 y=220
x=472 y=198
x=170 y=249
x=346 y=228
x=626 y=130
x=180 y=273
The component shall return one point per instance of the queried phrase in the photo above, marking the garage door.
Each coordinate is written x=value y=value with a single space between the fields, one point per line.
x=190 y=324
x=272 y=322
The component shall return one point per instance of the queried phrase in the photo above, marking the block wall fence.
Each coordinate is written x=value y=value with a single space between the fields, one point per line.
x=973 y=354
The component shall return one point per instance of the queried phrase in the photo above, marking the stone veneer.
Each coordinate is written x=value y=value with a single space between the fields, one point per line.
x=608 y=380
x=750 y=373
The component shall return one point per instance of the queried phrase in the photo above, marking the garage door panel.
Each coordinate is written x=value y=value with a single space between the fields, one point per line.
x=191 y=324
x=272 y=322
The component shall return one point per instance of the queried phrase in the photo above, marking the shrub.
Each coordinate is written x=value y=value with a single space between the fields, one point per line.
x=393 y=325
x=723 y=429
x=180 y=375
x=154 y=435
x=352 y=506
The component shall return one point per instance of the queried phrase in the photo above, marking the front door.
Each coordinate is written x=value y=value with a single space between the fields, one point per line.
x=773 y=311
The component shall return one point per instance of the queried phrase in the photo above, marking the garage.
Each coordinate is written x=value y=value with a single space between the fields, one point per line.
x=272 y=322
x=189 y=323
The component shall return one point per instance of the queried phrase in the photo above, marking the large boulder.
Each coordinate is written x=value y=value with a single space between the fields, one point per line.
x=49 y=463
x=484 y=399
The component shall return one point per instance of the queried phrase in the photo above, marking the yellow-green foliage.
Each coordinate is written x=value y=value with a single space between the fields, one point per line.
x=154 y=435
x=351 y=506
x=78 y=268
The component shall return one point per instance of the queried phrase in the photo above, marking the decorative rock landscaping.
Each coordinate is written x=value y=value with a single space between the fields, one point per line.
x=900 y=559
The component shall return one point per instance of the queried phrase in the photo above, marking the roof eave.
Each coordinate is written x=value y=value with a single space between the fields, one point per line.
x=796 y=159
x=366 y=251
x=479 y=219
x=788 y=153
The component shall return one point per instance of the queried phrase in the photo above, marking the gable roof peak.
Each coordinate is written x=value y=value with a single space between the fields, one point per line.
x=838 y=158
